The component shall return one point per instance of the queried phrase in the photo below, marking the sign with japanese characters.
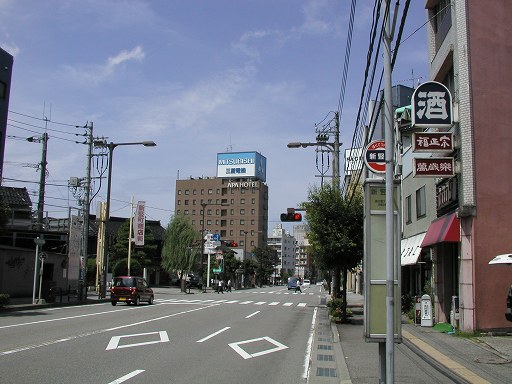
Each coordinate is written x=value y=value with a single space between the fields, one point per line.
x=375 y=156
x=434 y=167
x=432 y=142
x=431 y=106
x=140 y=223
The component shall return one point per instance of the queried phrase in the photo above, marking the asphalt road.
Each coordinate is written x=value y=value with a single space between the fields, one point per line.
x=249 y=336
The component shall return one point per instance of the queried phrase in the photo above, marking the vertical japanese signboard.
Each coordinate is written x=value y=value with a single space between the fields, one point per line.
x=140 y=223
x=432 y=106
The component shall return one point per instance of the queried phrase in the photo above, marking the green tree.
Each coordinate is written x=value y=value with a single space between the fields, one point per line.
x=140 y=258
x=266 y=260
x=336 y=233
x=181 y=248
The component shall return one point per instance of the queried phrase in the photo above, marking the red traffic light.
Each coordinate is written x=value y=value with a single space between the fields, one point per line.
x=231 y=244
x=291 y=216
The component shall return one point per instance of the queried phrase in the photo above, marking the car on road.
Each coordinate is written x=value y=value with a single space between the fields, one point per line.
x=306 y=283
x=292 y=283
x=130 y=290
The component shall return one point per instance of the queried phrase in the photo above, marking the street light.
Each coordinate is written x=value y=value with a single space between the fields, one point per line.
x=321 y=140
x=111 y=146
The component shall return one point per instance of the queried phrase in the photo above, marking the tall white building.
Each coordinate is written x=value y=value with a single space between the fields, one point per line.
x=302 y=260
x=284 y=244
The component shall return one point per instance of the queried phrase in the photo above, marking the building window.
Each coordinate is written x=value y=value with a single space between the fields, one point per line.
x=187 y=192
x=232 y=212
x=194 y=192
x=232 y=201
x=210 y=191
x=179 y=202
x=442 y=21
x=421 y=203
x=186 y=202
x=202 y=191
x=253 y=200
x=253 y=222
x=242 y=201
x=242 y=222
x=253 y=211
x=231 y=222
x=408 y=209
x=218 y=191
x=193 y=212
x=179 y=191
x=242 y=211
x=185 y=212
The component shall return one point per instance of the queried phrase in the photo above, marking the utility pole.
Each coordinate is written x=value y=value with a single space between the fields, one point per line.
x=42 y=182
x=85 y=212
x=390 y=234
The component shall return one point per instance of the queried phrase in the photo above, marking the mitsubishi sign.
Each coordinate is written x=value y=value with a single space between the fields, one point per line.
x=241 y=165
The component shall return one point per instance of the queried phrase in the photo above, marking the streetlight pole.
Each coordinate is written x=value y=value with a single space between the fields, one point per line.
x=243 y=256
x=111 y=146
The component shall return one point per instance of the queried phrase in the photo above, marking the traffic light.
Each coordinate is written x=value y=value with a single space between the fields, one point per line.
x=291 y=216
x=231 y=244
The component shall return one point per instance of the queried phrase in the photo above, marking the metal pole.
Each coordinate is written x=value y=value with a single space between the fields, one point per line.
x=38 y=242
x=390 y=236
x=336 y=156
x=41 y=279
x=130 y=237
x=85 y=212
x=42 y=183
x=203 y=205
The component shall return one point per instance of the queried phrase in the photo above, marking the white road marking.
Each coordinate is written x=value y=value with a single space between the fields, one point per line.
x=127 y=377
x=274 y=303
x=302 y=304
x=213 y=334
x=260 y=303
x=309 y=346
x=287 y=304
x=252 y=314
x=247 y=302
x=246 y=355
x=114 y=341
x=231 y=301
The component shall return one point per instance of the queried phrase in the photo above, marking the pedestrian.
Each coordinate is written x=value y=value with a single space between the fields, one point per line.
x=228 y=289
x=219 y=287
x=297 y=287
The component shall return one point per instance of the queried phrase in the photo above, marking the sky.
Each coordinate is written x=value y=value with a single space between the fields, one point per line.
x=197 y=77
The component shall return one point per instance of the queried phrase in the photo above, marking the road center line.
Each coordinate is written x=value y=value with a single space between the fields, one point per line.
x=213 y=334
x=252 y=314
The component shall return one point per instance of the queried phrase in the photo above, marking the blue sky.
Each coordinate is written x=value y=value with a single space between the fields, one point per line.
x=198 y=77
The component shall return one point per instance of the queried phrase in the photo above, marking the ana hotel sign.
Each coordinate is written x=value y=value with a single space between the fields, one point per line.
x=241 y=165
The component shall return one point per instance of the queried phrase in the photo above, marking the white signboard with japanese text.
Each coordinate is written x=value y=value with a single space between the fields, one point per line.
x=140 y=223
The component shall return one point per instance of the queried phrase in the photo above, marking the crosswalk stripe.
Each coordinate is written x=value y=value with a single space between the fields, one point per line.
x=274 y=303
x=287 y=304
x=247 y=302
x=302 y=304
x=260 y=303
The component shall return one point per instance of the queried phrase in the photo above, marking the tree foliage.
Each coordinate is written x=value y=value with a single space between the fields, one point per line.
x=181 y=247
x=266 y=261
x=336 y=231
x=140 y=258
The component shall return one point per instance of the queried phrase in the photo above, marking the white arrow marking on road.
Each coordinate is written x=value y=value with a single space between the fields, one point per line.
x=213 y=334
x=127 y=377
x=114 y=341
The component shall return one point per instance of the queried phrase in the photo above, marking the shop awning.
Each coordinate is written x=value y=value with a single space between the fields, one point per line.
x=411 y=249
x=444 y=229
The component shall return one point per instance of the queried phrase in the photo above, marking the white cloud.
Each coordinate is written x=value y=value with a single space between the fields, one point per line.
x=98 y=73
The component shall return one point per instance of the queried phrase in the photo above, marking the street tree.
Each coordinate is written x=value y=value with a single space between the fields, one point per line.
x=266 y=261
x=336 y=233
x=140 y=258
x=181 y=248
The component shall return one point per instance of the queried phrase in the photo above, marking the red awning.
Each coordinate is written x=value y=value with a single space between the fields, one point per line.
x=444 y=229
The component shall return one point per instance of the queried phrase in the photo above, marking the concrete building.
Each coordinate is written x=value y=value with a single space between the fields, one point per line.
x=284 y=244
x=234 y=207
x=303 y=267
x=470 y=53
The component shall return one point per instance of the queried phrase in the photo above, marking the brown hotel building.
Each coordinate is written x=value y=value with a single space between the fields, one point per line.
x=236 y=208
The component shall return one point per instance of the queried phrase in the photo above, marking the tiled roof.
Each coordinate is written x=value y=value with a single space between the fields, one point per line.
x=15 y=197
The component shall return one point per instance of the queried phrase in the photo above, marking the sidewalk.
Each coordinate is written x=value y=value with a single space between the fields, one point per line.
x=483 y=359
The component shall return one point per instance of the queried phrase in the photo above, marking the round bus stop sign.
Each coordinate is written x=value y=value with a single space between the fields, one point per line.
x=375 y=156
